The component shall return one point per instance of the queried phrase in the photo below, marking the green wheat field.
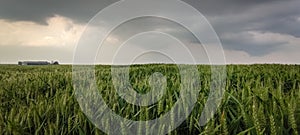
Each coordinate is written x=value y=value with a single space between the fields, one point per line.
x=259 y=99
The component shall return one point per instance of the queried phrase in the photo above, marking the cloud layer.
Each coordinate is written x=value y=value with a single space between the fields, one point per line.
x=258 y=31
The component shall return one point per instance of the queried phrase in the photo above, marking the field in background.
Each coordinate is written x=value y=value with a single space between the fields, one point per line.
x=259 y=99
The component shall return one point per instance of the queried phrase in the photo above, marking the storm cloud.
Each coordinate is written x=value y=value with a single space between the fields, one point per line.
x=38 y=11
x=257 y=29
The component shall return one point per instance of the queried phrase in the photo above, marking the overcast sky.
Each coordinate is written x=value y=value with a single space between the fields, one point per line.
x=253 y=31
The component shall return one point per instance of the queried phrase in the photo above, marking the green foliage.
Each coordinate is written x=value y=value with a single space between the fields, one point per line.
x=259 y=99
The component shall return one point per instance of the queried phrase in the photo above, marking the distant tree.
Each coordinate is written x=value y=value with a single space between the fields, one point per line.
x=55 y=63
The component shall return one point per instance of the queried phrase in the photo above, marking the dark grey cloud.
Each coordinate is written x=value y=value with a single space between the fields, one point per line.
x=279 y=17
x=285 y=24
x=82 y=11
x=224 y=7
x=226 y=17
x=279 y=14
x=246 y=42
x=37 y=10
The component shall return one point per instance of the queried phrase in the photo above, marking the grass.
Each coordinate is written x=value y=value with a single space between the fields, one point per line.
x=259 y=99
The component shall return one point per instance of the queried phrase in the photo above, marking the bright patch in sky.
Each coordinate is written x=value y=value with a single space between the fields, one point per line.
x=59 y=31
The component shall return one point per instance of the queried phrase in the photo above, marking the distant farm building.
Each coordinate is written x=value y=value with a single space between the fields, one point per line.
x=37 y=63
